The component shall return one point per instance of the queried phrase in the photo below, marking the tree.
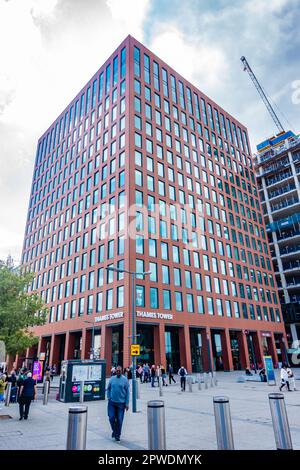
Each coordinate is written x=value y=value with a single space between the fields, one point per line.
x=19 y=309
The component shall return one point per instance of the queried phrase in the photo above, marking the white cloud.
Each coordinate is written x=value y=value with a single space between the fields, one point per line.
x=201 y=63
x=130 y=15
x=52 y=48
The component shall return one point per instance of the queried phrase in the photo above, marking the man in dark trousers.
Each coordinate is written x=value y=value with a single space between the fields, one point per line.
x=182 y=374
x=27 y=393
x=118 y=401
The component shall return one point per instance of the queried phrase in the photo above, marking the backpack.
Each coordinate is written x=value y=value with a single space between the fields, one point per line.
x=182 y=372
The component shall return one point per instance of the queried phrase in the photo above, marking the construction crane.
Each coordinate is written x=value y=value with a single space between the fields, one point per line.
x=263 y=96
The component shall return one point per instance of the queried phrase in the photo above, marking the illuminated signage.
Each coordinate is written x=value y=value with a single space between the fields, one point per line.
x=155 y=315
x=109 y=316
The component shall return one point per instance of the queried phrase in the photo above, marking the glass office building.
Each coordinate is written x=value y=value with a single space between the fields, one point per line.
x=143 y=172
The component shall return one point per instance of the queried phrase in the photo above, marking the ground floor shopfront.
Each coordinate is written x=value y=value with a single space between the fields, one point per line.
x=198 y=348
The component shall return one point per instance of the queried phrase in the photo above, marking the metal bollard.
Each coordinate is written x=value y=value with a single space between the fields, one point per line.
x=8 y=393
x=156 y=425
x=190 y=383
x=77 y=426
x=223 y=423
x=81 y=397
x=205 y=380
x=199 y=382
x=46 y=392
x=160 y=386
x=210 y=377
x=138 y=389
x=280 y=422
x=215 y=379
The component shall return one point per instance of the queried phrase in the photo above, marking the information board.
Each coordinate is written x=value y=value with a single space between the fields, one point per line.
x=270 y=373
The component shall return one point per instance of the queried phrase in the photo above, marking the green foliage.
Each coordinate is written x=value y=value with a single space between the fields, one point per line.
x=19 y=310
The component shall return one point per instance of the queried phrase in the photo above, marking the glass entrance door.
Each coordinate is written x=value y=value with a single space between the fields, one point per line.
x=172 y=348
x=217 y=351
x=196 y=350
x=235 y=351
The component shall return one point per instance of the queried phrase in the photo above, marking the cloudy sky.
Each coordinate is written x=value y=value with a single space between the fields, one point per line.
x=50 y=48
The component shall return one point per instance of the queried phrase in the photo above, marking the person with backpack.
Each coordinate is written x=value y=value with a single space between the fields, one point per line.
x=182 y=374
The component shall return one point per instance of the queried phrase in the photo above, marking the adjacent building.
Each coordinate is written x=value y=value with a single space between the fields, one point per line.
x=278 y=170
x=143 y=172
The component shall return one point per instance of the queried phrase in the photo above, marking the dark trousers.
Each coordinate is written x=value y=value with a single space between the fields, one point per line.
x=171 y=378
x=116 y=415
x=182 y=383
x=24 y=402
x=285 y=383
x=152 y=380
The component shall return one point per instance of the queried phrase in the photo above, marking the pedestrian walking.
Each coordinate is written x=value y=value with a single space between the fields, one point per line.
x=12 y=378
x=163 y=375
x=153 y=375
x=182 y=374
x=118 y=401
x=171 y=376
x=28 y=392
x=284 y=378
x=146 y=373
x=2 y=389
x=140 y=372
x=262 y=375
x=291 y=378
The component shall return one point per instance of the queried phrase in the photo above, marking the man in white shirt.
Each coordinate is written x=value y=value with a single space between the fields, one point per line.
x=182 y=374
x=291 y=378
x=284 y=378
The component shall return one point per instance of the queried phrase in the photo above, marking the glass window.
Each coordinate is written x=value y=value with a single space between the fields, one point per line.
x=109 y=299
x=190 y=303
x=167 y=299
x=178 y=301
x=120 y=296
x=153 y=297
x=210 y=305
x=140 y=296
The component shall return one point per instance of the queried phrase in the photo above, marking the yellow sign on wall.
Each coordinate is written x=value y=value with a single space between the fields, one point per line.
x=135 y=350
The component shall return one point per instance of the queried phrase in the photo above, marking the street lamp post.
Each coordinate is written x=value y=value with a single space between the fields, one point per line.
x=209 y=354
x=247 y=333
x=133 y=275
x=93 y=338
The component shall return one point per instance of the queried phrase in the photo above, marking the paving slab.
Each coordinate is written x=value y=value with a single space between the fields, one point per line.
x=190 y=421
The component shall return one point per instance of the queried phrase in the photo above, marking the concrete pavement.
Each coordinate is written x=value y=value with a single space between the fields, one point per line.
x=189 y=419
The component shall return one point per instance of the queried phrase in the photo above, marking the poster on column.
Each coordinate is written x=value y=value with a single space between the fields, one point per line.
x=269 y=368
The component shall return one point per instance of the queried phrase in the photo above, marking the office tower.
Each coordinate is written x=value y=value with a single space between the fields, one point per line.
x=143 y=172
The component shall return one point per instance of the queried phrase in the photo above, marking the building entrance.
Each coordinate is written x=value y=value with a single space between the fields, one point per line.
x=117 y=346
x=196 y=350
x=172 y=347
x=235 y=350
x=146 y=340
x=217 y=350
